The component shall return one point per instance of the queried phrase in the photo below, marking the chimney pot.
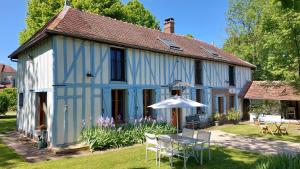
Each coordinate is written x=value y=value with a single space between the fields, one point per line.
x=169 y=25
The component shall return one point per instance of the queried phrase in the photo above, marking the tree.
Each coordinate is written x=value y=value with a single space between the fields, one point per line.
x=39 y=12
x=4 y=103
x=266 y=34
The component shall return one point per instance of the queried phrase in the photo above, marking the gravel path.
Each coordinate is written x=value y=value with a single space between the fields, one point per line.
x=254 y=144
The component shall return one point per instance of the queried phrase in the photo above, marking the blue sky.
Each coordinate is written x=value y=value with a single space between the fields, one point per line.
x=205 y=20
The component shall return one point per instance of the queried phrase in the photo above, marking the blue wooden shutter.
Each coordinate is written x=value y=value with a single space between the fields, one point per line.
x=193 y=97
x=157 y=99
x=106 y=100
x=139 y=103
x=131 y=105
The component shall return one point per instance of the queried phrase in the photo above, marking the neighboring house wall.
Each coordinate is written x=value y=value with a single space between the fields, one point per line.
x=35 y=75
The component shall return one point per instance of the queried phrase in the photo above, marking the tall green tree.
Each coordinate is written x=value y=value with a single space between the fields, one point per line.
x=40 y=11
x=265 y=33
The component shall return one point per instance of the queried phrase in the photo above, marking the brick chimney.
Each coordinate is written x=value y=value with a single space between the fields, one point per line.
x=169 y=25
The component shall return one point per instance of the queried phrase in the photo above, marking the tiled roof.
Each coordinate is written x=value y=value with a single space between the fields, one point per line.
x=6 y=69
x=76 y=23
x=274 y=90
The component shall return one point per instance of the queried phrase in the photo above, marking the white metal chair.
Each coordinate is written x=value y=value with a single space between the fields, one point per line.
x=166 y=149
x=151 y=145
x=188 y=133
x=203 y=143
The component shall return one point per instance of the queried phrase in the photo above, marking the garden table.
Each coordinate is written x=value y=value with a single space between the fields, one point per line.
x=186 y=143
x=277 y=123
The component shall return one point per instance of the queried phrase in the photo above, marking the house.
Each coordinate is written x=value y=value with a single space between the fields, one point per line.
x=278 y=91
x=80 y=66
x=7 y=76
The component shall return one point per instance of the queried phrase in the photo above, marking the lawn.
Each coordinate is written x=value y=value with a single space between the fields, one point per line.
x=248 y=129
x=132 y=157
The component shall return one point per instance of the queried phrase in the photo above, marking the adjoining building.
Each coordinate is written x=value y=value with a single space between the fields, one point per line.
x=80 y=66
x=7 y=76
x=282 y=92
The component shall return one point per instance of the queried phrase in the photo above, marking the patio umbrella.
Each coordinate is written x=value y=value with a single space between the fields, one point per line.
x=176 y=102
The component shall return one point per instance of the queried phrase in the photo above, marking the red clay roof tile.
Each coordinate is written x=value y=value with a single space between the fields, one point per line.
x=76 y=23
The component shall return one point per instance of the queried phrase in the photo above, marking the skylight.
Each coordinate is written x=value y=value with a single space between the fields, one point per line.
x=212 y=52
x=170 y=44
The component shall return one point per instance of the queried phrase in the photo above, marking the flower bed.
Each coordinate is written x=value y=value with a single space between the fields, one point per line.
x=107 y=135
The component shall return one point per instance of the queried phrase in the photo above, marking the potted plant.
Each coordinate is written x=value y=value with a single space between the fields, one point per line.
x=233 y=116
x=42 y=140
x=216 y=118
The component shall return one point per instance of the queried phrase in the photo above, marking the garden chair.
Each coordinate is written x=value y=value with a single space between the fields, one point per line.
x=203 y=143
x=151 y=145
x=265 y=128
x=188 y=133
x=166 y=149
x=284 y=128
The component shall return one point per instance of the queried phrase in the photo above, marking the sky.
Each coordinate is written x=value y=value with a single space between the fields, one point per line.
x=204 y=19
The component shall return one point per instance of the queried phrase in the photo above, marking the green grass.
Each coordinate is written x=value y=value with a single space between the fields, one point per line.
x=8 y=122
x=133 y=157
x=8 y=157
x=251 y=130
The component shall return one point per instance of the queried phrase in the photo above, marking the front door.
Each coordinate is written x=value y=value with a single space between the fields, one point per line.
x=42 y=118
x=176 y=112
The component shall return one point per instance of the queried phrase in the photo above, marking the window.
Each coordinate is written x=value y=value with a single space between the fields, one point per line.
x=147 y=101
x=118 y=105
x=231 y=73
x=198 y=72
x=21 y=99
x=117 y=64
x=198 y=99
x=170 y=44
x=220 y=105
x=231 y=102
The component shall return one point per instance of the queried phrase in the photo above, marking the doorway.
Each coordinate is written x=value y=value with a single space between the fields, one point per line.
x=147 y=101
x=42 y=109
x=176 y=112
x=220 y=105
x=118 y=105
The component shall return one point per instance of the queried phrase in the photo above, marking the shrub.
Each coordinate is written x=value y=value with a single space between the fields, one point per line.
x=282 y=161
x=4 y=103
x=216 y=116
x=107 y=135
x=11 y=94
x=233 y=115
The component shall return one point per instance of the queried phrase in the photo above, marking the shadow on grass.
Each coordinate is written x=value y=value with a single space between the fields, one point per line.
x=8 y=157
x=221 y=158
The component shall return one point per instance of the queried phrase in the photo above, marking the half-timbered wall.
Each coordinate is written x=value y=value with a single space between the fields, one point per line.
x=35 y=75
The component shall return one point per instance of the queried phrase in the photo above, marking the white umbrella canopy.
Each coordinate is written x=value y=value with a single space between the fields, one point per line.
x=176 y=102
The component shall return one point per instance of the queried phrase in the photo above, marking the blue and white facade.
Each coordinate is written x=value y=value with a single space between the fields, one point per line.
x=58 y=66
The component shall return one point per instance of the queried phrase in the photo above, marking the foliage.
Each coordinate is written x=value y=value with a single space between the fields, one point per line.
x=280 y=161
x=233 y=115
x=108 y=135
x=11 y=94
x=39 y=12
x=216 y=116
x=267 y=34
x=4 y=103
x=265 y=107
x=189 y=36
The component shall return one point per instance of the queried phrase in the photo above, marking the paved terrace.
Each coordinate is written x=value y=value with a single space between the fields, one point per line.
x=254 y=144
